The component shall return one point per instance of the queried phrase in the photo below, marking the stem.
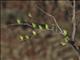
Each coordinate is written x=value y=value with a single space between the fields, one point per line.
x=53 y=19
x=74 y=30
x=24 y=24
x=74 y=22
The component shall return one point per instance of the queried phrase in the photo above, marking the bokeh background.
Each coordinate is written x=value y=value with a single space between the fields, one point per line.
x=45 y=46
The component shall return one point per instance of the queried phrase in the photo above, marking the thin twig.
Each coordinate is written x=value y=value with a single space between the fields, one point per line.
x=75 y=49
x=74 y=29
x=23 y=24
x=53 y=19
x=74 y=22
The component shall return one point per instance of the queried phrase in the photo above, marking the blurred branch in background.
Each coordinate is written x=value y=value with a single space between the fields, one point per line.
x=73 y=22
x=74 y=29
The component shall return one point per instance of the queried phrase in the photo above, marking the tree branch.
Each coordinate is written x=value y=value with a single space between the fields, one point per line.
x=52 y=18
x=74 y=22
x=74 y=31
x=74 y=26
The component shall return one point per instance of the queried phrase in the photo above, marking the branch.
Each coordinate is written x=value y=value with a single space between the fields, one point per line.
x=53 y=19
x=74 y=22
x=74 y=30
x=22 y=24
x=74 y=26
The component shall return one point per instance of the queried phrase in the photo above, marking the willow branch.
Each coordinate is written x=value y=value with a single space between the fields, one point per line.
x=74 y=25
x=53 y=19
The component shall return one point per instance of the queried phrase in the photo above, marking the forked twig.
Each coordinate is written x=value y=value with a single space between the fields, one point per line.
x=74 y=26
x=51 y=17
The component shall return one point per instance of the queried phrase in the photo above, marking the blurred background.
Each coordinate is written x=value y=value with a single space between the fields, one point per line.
x=45 y=46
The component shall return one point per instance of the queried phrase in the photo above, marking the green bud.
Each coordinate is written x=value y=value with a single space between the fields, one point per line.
x=34 y=33
x=27 y=37
x=21 y=37
x=66 y=39
x=65 y=32
x=46 y=26
x=33 y=25
x=63 y=43
x=29 y=15
x=40 y=27
x=18 y=21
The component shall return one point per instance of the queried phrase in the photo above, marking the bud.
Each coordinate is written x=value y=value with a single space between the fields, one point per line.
x=27 y=37
x=33 y=25
x=46 y=26
x=34 y=33
x=18 y=21
x=40 y=27
x=65 y=32
x=21 y=37
x=63 y=43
